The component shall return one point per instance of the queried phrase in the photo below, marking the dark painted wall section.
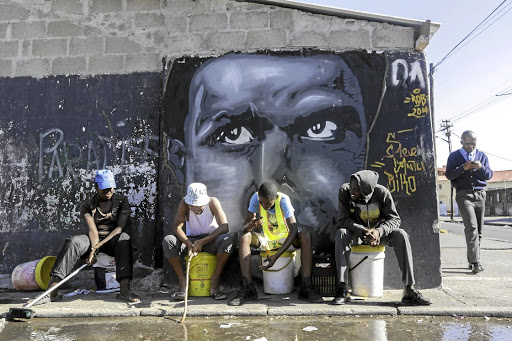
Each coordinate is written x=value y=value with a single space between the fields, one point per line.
x=54 y=133
x=307 y=120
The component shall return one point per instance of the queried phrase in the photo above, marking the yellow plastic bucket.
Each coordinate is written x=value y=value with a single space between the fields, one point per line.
x=33 y=275
x=202 y=268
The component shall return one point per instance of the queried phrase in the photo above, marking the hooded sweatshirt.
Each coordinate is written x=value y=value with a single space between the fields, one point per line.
x=375 y=210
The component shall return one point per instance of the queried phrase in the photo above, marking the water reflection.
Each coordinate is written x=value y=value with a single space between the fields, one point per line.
x=378 y=328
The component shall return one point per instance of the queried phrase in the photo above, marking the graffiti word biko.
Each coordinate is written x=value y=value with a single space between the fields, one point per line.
x=420 y=101
x=95 y=153
x=402 y=177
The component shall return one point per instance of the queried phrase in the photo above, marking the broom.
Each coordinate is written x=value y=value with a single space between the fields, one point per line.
x=27 y=313
x=186 y=289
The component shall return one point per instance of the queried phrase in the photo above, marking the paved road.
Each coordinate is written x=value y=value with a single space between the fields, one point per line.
x=490 y=232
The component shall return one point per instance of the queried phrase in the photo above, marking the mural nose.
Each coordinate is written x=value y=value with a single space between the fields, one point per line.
x=273 y=159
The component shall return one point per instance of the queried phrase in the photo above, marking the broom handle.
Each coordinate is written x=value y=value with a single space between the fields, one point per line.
x=54 y=287
x=186 y=290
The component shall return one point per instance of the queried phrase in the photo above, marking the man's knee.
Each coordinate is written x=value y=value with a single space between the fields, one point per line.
x=78 y=242
x=170 y=246
x=399 y=235
x=225 y=244
x=304 y=236
x=244 y=238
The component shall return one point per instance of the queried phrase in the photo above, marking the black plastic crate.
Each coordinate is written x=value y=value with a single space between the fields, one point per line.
x=323 y=276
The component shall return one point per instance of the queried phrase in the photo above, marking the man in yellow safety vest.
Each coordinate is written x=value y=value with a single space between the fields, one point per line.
x=270 y=225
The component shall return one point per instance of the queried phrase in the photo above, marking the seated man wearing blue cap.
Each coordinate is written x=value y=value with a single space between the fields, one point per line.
x=206 y=230
x=105 y=215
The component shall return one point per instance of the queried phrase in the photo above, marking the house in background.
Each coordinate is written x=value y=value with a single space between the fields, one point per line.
x=499 y=194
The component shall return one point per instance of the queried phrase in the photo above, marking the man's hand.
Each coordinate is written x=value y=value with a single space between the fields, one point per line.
x=271 y=260
x=197 y=246
x=468 y=165
x=360 y=231
x=91 y=259
x=372 y=237
x=253 y=223
x=476 y=165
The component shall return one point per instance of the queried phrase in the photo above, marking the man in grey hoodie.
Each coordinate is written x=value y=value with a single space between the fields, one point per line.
x=367 y=215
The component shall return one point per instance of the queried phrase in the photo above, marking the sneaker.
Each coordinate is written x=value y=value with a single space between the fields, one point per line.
x=413 y=297
x=341 y=296
x=306 y=292
x=476 y=268
x=246 y=293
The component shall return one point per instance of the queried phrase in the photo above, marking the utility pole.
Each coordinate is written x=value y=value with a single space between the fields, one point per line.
x=447 y=126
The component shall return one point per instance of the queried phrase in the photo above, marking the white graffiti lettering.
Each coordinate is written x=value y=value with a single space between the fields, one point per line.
x=402 y=72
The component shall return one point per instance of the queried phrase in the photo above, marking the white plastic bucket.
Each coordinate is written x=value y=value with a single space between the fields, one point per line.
x=368 y=274
x=279 y=278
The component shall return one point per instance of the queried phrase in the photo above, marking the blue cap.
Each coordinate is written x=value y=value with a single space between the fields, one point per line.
x=105 y=179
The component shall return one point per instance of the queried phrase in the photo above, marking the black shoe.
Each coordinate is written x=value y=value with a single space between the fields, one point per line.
x=341 y=296
x=413 y=297
x=306 y=292
x=246 y=293
x=476 y=268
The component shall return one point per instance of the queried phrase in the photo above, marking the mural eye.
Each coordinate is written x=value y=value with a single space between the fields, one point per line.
x=321 y=131
x=238 y=135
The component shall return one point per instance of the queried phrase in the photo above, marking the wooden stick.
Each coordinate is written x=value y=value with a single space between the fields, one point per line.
x=186 y=289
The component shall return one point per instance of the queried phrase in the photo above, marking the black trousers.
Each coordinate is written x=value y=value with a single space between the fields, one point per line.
x=79 y=247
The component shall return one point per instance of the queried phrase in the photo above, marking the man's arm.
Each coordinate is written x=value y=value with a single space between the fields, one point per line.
x=221 y=219
x=179 y=222
x=292 y=226
x=344 y=217
x=390 y=220
x=454 y=169
x=484 y=172
x=124 y=213
x=85 y=213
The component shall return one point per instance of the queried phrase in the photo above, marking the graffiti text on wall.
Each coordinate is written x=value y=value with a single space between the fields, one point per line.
x=96 y=153
x=401 y=178
x=403 y=72
x=420 y=101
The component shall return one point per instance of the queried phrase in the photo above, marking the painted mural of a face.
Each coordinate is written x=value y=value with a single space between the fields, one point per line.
x=298 y=121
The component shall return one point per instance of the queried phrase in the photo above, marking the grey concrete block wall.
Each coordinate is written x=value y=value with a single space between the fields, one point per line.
x=120 y=36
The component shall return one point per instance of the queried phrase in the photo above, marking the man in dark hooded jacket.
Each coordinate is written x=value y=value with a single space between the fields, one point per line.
x=367 y=215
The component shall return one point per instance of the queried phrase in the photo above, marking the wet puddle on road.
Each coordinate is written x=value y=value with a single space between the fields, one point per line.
x=379 y=328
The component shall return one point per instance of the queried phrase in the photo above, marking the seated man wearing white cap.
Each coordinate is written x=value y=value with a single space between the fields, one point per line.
x=206 y=230
x=105 y=215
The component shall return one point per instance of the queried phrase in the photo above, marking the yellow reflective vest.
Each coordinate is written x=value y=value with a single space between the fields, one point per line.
x=271 y=231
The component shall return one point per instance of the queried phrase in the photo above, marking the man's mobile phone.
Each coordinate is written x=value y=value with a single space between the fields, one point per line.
x=258 y=217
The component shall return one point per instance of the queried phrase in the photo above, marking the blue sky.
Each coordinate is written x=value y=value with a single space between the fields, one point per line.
x=470 y=77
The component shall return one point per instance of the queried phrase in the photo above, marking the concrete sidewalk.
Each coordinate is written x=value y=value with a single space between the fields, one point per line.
x=463 y=294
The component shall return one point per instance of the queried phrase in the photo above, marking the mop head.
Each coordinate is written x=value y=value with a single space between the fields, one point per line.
x=21 y=313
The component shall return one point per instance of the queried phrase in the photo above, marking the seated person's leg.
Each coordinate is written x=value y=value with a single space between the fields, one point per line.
x=343 y=240
x=121 y=247
x=222 y=247
x=306 y=291
x=247 y=289
x=74 y=248
x=399 y=240
x=172 y=247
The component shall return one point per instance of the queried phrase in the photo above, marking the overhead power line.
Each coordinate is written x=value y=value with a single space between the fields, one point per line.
x=493 y=100
x=509 y=6
x=486 y=152
x=480 y=25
